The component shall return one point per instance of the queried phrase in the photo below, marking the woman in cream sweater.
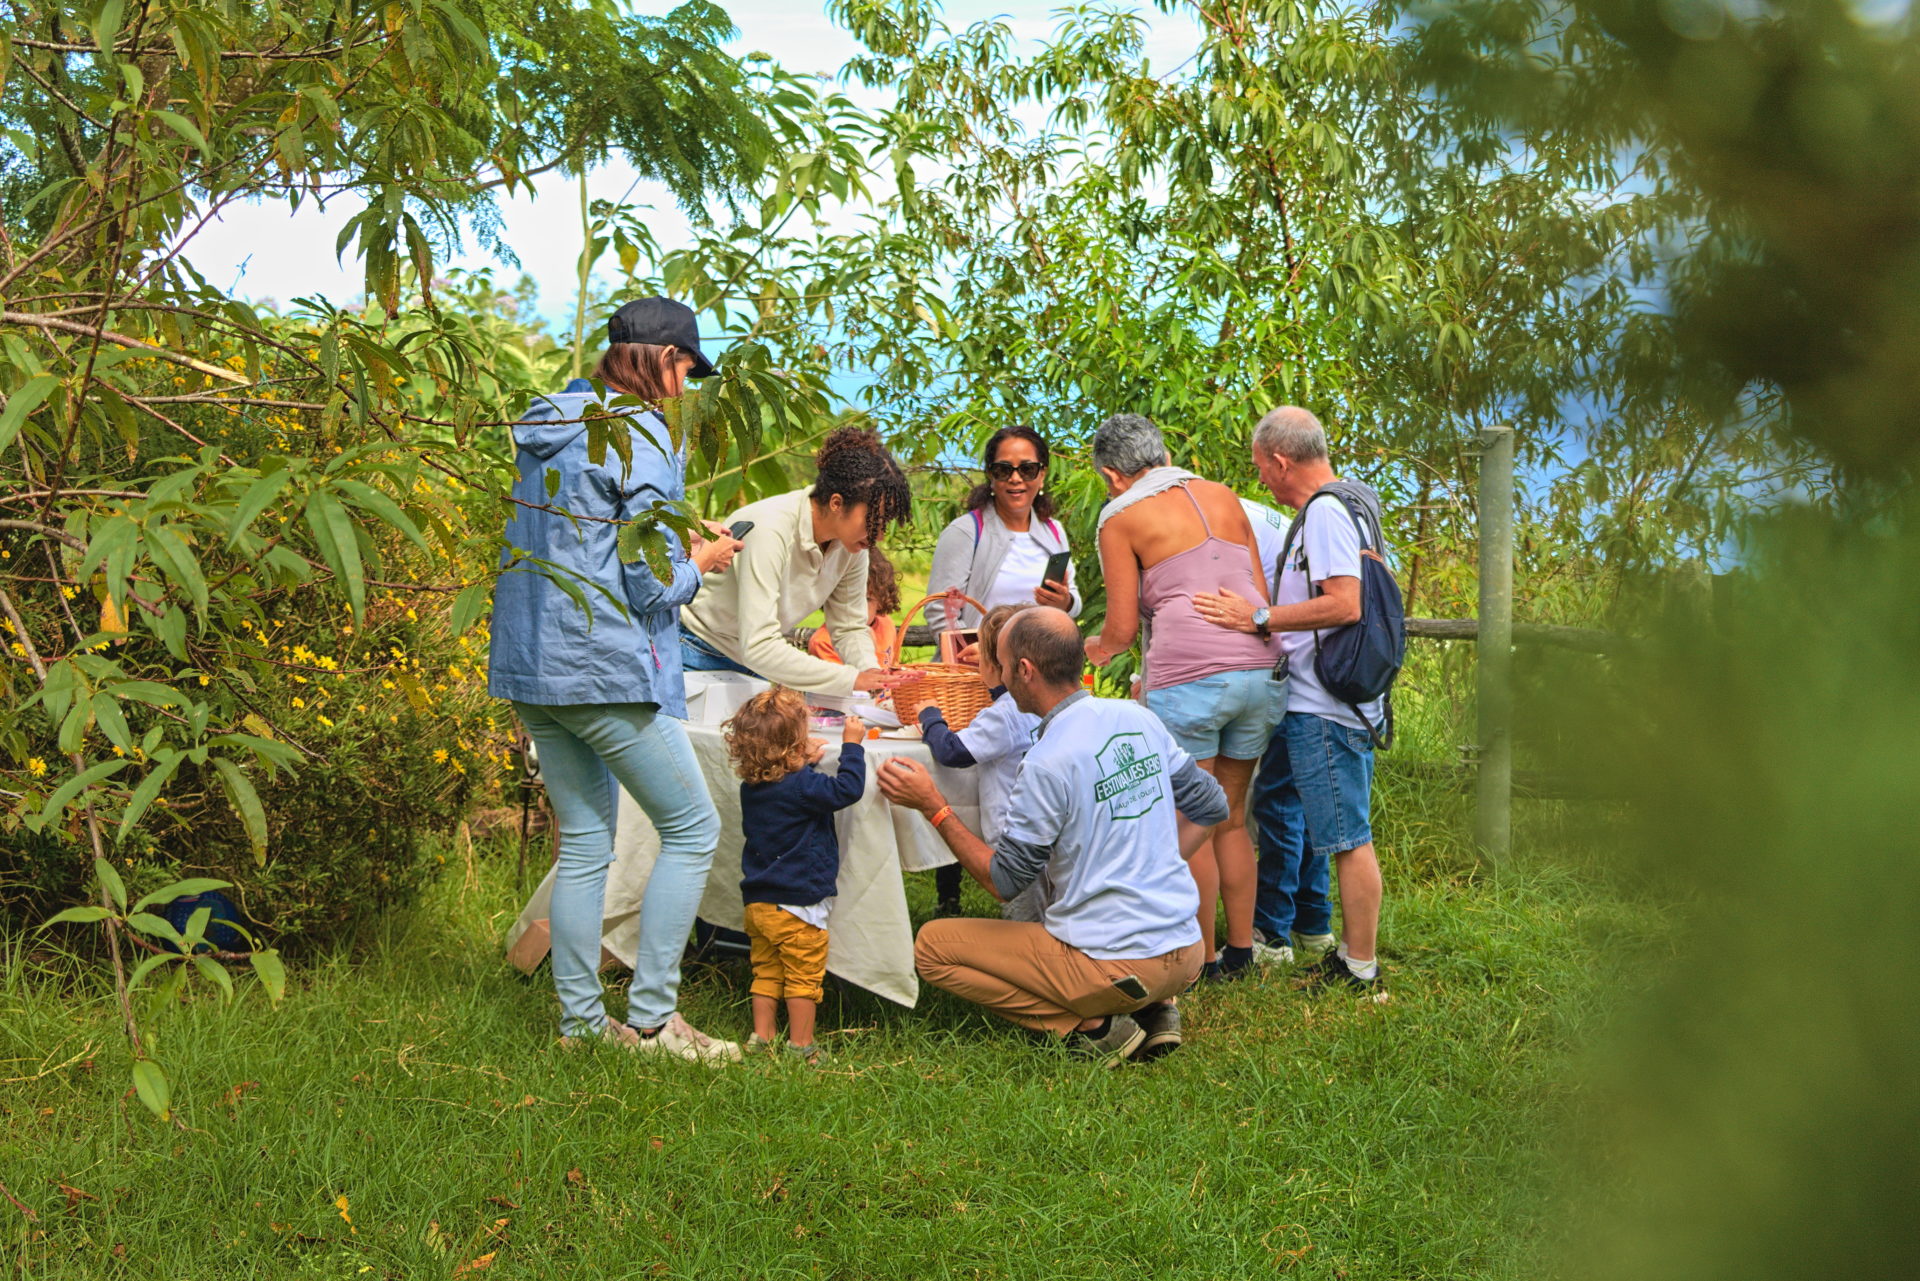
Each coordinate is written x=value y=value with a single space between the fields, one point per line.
x=807 y=550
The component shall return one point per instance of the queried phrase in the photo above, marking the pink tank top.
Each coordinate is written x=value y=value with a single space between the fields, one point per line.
x=1184 y=646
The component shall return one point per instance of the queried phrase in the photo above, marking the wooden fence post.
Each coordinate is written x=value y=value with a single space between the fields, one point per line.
x=1493 y=817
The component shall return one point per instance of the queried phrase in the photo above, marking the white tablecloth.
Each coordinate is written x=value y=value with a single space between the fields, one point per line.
x=871 y=936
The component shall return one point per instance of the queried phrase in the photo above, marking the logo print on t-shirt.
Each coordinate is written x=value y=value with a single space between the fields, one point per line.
x=1128 y=786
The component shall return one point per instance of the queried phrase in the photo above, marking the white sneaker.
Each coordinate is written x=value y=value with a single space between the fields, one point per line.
x=683 y=1040
x=1267 y=954
x=1314 y=946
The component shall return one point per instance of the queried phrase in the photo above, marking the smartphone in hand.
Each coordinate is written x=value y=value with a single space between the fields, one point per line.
x=1057 y=568
x=740 y=529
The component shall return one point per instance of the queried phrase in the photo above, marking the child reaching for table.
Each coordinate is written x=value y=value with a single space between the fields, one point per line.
x=996 y=742
x=791 y=860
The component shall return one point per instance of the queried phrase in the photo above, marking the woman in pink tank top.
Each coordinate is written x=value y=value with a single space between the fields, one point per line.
x=1214 y=689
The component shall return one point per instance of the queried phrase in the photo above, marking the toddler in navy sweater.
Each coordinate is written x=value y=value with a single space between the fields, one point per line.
x=790 y=864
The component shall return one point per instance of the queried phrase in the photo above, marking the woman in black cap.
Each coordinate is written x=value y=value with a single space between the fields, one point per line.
x=601 y=694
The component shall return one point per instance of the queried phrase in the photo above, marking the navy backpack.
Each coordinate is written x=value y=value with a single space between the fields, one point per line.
x=1357 y=663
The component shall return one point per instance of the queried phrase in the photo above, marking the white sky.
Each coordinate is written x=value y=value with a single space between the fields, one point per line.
x=264 y=253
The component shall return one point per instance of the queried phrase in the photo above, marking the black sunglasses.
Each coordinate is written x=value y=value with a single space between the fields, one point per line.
x=1029 y=470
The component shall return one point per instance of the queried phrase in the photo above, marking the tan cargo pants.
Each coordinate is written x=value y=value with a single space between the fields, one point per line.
x=1022 y=973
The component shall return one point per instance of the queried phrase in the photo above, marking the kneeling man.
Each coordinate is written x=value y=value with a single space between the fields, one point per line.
x=1107 y=807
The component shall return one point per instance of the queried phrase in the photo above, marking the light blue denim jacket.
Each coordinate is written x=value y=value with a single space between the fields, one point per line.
x=544 y=649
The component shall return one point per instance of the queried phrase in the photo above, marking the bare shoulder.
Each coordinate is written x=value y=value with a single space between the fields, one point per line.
x=1223 y=508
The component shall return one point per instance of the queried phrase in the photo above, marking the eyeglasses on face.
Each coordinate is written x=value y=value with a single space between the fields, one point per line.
x=1029 y=470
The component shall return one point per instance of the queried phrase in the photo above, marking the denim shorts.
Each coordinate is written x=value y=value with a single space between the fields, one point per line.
x=1230 y=714
x=1332 y=768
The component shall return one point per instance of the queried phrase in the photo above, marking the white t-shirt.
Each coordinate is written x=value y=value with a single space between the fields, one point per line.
x=998 y=740
x=814 y=914
x=1269 y=532
x=1329 y=545
x=1020 y=573
x=1097 y=790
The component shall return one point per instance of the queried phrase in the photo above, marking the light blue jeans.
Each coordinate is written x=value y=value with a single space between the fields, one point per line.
x=585 y=750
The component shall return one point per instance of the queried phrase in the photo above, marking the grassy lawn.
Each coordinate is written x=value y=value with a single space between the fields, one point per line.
x=415 y=1082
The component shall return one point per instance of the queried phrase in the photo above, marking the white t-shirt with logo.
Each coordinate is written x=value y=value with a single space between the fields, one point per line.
x=1269 y=532
x=1329 y=544
x=998 y=739
x=1097 y=790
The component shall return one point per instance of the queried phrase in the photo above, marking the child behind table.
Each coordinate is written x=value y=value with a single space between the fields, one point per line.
x=791 y=861
x=883 y=597
x=996 y=742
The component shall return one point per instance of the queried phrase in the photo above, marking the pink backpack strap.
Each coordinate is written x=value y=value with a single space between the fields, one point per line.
x=979 y=525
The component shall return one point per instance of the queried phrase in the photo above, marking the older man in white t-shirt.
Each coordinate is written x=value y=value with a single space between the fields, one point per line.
x=1110 y=807
x=1323 y=773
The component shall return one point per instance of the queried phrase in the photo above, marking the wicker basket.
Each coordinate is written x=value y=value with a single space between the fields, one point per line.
x=954 y=688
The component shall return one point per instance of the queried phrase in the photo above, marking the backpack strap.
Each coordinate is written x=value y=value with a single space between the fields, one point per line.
x=979 y=526
x=1381 y=736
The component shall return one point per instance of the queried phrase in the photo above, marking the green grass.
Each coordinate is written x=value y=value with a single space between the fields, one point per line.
x=418 y=1077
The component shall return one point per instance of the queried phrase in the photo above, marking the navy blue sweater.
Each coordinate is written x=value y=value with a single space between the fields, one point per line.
x=792 y=855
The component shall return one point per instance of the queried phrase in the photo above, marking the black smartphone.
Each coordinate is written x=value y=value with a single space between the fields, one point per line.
x=740 y=529
x=1131 y=987
x=1280 y=668
x=1057 y=568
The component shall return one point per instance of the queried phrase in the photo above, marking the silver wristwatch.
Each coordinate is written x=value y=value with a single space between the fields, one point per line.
x=1260 y=617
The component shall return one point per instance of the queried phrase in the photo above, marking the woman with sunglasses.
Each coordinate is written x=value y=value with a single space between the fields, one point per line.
x=997 y=550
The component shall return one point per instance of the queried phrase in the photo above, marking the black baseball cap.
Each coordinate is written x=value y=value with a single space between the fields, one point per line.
x=664 y=323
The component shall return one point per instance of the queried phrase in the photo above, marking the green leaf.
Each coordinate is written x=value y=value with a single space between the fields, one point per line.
x=22 y=403
x=181 y=889
x=110 y=881
x=77 y=915
x=143 y=797
x=467 y=606
x=150 y=1083
x=247 y=802
x=106 y=24
x=252 y=503
x=186 y=129
x=216 y=973
x=553 y=483
x=148 y=966
x=385 y=508
x=339 y=547
x=58 y=802
x=159 y=927
x=112 y=721
x=272 y=973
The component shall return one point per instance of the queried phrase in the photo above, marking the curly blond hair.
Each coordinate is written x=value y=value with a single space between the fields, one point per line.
x=767 y=738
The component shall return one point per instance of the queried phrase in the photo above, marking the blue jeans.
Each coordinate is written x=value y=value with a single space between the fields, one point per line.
x=1310 y=801
x=584 y=749
x=698 y=656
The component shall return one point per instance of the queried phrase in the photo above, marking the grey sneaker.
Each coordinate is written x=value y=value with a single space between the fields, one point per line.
x=680 y=1039
x=757 y=1044
x=1161 y=1024
x=1311 y=947
x=811 y=1055
x=1120 y=1042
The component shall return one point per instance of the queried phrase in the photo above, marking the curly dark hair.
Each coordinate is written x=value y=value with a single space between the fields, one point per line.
x=767 y=738
x=883 y=587
x=983 y=493
x=854 y=465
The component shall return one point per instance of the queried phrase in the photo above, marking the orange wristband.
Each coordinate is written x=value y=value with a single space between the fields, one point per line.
x=941 y=815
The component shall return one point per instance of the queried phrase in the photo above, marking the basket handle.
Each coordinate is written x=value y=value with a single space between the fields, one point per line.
x=900 y=637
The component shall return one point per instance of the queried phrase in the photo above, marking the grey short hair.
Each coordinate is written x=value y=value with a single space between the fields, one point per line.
x=1292 y=433
x=1128 y=444
x=1049 y=639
